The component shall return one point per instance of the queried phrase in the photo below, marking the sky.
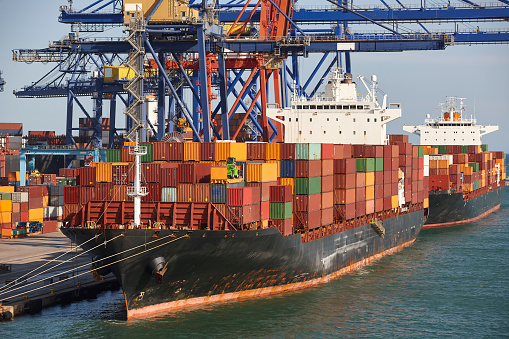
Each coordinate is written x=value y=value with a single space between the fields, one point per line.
x=419 y=80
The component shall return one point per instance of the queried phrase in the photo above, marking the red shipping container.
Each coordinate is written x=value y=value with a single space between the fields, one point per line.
x=119 y=193
x=240 y=196
x=420 y=196
x=395 y=151
x=23 y=207
x=327 y=216
x=344 y=212
x=284 y=226
x=307 y=220
x=240 y=215
x=387 y=190
x=103 y=191
x=264 y=188
x=66 y=172
x=169 y=176
x=34 y=180
x=71 y=194
x=16 y=207
x=327 y=200
x=414 y=199
x=201 y=192
x=398 y=138
x=160 y=151
x=86 y=194
x=24 y=216
x=308 y=168
x=360 y=194
x=420 y=185
x=360 y=208
x=265 y=209
x=154 y=192
x=327 y=167
x=119 y=174
x=379 y=191
x=175 y=151
x=339 y=152
x=379 y=205
x=287 y=151
x=379 y=151
x=413 y=184
x=185 y=192
x=344 y=196
x=344 y=180
x=370 y=206
x=49 y=179
x=49 y=226
x=387 y=203
x=34 y=191
x=327 y=151
x=328 y=183
x=395 y=176
x=207 y=151
x=342 y=166
x=151 y=172
x=420 y=162
x=360 y=179
x=379 y=178
x=126 y=157
x=86 y=176
x=15 y=217
x=415 y=163
x=193 y=172
x=280 y=193
x=256 y=150
x=364 y=151
x=394 y=188
x=307 y=203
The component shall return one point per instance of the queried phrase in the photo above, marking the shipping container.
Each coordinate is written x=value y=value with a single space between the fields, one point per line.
x=308 y=168
x=280 y=193
x=194 y=172
x=175 y=151
x=327 y=183
x=307 y=185
x=287 y=151
x=207 y=151
x=261 y=172
x=243 y=196
x=308 y=151
x=240 y=215
x=113 y=155
x=160 y=151
x=284 y=226
x=280 y=210
x=218 y=193
x=307 y=220
x=327 y=167
x=327 y=151
x=327 y=216
x=191 y=151
x=344 y=212
x=256 y=150
x=327 y=200
x=344 y=166
x=87 y=176
x=307 y=203
x=71 y=194
x=272 y=151
x=287 y=168
x=264 y=188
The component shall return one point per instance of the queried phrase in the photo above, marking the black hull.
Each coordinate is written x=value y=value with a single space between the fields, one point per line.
x=206 y=266
x=450 y=209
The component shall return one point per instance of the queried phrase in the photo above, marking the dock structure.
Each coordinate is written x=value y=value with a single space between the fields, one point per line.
x=43 y=271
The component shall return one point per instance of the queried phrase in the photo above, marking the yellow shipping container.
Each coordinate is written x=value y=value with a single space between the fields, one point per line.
x=370 y=179
x=273 y=151
x=5 y=217
x=218 y=173
x=467 y=188
x=443 y=163
x=278 y=163
x=6 y=206
x=6 y=232
x=433 y=164
x=425 y=203
x=115 y=73
x=168 y=10
x=13 y=176
x=45 y=201
x=224 y=150
x=289 y=181
x=36 y=214
x=191 y=151
x=370 y=192
x=7 y=189
x=394 y=201
x=103 y=171
x=265 y=223
x=468 y=170
x=261 y=172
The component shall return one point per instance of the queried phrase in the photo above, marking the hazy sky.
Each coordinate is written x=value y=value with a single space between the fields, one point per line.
x=418 y=80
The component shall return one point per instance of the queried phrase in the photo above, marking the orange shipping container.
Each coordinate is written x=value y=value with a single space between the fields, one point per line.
x=218 y=173
x=433 y=164
x=45 y=201
x=36 y=214
x=443 y=163
x=7 y=189
x=261 y=172
x=6 y=206
x=13 y=176
x=370 y=179
x=272 y=151
x=103 y=171
x=394 y=201
x=5 y=217
x=224 y=150
x=191 y=151
x=370 y=192
x=288 y=181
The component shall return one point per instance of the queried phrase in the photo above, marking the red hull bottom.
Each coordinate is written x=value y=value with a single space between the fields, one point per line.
x=259 y=292
x=447 y=224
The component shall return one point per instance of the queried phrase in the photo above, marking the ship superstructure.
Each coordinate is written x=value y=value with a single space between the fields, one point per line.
x=338 y=115
x=451 y=128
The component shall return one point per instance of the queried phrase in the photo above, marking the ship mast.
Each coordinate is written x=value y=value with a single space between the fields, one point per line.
x=137 y=191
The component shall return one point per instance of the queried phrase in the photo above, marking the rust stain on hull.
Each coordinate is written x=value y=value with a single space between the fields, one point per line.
x=446 y=224
x=259 y=292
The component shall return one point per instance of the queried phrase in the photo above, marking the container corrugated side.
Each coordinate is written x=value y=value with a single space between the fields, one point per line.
x=308 y=151
x=169 y=194
x=103 y=171
x=280 y=210
x=307 y=185
x=160 y=151
x=218 y=193
x=191 y=151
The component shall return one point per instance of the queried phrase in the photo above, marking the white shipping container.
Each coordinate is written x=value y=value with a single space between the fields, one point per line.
x=19 y=196
x=169 y=194
x=51 y=212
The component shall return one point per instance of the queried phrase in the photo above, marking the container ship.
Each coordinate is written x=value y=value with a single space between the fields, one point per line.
x=188 y=223
x=466 y=181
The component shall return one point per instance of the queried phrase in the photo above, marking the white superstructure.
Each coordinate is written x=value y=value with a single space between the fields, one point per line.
x=337 y=116
x=451 y=128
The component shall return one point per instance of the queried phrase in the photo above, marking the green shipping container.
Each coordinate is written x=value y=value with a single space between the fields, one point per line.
x=5 y=196
x=484 y=147
x=308 y=151
x=308 y=186
x=379 y=164
x=421 y=152
x=474 y=165
x=464 y=149
x=365 y=164
x=280 y=210
x=442 y=149
x=147 y=157
x=113 y=155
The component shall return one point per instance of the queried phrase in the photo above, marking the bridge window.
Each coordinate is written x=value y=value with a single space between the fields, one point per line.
x=359 y=107
x=299 y=106
x=319 y=107
x=312 y=107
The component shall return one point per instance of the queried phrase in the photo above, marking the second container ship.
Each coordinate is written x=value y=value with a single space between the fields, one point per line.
x=207 y=222
x=466 y=181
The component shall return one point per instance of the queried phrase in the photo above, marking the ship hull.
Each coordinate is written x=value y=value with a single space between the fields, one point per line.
x=450 y=209
x=209 y=266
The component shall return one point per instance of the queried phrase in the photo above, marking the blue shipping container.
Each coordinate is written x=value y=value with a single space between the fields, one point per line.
x=218 y=193
x=287 y=169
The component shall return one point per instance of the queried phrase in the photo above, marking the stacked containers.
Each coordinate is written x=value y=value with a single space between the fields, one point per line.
x=263 y=176
x=281 y=208
x=307 y=200
x=243 y=205
x=327 y=184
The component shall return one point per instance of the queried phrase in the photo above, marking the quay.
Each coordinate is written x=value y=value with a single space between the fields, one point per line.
x=43 y=271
